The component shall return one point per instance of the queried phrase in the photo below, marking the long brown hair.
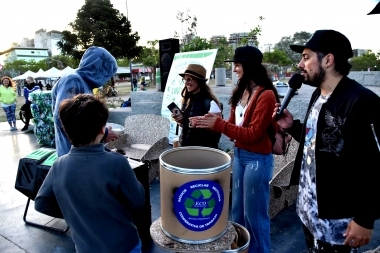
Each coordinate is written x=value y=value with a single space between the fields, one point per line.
x=204 y=88
x=11 y=82
x=252 y=73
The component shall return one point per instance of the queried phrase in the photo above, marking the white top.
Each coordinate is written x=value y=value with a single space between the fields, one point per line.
x=214 y=108
x=239 y=114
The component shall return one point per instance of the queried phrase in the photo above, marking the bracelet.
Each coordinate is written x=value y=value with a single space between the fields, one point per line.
x=105 y=135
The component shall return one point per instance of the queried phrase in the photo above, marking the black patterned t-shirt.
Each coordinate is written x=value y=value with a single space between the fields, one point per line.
x=330 y=231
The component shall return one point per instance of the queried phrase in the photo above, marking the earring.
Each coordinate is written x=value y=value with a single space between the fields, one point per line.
x=327 y=66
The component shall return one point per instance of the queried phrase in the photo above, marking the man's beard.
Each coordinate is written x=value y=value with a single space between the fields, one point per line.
x=317 y=79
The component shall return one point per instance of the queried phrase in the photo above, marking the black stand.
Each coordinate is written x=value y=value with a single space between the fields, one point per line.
x=41 y=225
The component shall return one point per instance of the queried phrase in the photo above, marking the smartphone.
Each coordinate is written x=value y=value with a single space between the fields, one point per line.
x=174 y=108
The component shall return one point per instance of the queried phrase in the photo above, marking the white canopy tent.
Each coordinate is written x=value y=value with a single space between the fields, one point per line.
x=52 y=73
x=67 y=70
x=24 y=76
x=39 y=75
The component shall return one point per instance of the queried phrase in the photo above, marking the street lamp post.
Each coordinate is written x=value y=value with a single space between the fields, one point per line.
x=130 y=60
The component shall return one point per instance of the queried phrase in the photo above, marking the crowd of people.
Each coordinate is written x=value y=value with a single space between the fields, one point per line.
x=337 y=191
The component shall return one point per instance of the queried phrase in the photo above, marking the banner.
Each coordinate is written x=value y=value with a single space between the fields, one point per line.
x=174 y=84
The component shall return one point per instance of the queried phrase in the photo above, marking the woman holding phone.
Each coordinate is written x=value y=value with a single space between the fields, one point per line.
x=197 y=100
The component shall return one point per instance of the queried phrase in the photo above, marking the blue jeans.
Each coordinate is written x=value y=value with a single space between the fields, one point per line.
x=10 y=113
x=250 y=196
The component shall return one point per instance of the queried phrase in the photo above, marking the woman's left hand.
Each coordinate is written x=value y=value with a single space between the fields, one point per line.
x=206 y=121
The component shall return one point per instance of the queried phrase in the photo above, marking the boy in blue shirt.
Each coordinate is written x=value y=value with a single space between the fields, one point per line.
x=92 y=189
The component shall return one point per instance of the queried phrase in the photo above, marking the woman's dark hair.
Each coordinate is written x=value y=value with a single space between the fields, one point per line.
x=204 y=88
x=252 y=73
x=342 y=66
x=82 y=117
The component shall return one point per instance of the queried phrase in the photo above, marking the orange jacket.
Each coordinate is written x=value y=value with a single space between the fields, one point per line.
x=252 y=135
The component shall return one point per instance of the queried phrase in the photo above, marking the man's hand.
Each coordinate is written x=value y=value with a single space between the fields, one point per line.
x=357 y=236
x=286 y=120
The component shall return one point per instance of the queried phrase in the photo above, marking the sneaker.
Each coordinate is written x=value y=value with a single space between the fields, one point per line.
x=25 y=128
x=11 y=129
x=15 y=128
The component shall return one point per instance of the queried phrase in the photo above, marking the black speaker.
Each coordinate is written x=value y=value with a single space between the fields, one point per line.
x=168 y=48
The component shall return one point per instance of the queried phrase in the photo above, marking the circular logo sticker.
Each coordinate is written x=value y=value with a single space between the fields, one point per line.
x=198 y=204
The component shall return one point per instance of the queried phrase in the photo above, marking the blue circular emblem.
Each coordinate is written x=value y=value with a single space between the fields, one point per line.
x=198 y=204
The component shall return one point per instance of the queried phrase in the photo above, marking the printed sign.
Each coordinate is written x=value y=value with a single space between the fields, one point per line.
x=174 y=84
x=198 y=204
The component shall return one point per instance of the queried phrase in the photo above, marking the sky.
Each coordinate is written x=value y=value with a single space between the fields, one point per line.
x=156 y=19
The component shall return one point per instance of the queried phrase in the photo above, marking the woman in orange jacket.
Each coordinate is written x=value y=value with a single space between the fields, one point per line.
x=252 y=104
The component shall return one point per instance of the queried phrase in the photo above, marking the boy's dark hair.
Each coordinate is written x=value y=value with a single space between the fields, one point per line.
x=82 y=118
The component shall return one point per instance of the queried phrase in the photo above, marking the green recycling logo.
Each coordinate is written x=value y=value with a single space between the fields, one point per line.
x=198 y=204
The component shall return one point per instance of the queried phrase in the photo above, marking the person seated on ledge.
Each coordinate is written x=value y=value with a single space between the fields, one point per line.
x=92 y=189
x=142 y=87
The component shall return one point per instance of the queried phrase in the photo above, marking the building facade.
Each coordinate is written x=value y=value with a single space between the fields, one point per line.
x=24 y=53
x=359 y=52
x=49 y=40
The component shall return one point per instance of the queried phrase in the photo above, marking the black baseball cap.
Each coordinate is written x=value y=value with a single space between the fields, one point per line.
x=375 y=10
x=327 y=41
x=247 y=54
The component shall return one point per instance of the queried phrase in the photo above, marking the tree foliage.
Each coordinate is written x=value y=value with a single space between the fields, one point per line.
x=368 y=60
x=150 y=57
x=19 y=67
x=196 y=44
x=188 y=27
x=62 y=61
x=99 y=24
x=225 y=52
x=277 y=57
x=298 y=38
x=253 y=35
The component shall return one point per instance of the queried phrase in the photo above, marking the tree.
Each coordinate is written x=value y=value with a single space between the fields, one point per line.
x=277 y=57
x=99 y=24
x=197 y=43
x=150 y=57
x=368 y=60
x=298 y=38
x=19 y=67
x=62 y=61
x=253 y=35
x=188 y=27
x=225 y=51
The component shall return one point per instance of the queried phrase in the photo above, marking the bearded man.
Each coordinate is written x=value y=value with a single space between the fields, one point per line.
x=337 y=163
